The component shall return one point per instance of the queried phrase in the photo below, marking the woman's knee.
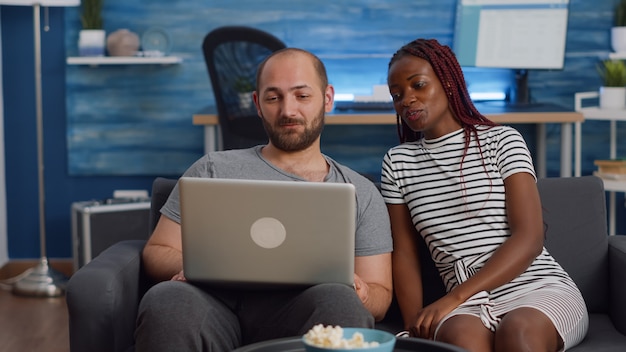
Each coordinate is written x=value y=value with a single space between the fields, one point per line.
x=466 y=331
x=527 y=329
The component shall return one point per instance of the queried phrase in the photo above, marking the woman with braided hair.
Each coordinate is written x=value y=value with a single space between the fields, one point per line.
x=467 y=186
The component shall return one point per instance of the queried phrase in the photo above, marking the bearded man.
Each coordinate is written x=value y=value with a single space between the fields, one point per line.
x=292 y=97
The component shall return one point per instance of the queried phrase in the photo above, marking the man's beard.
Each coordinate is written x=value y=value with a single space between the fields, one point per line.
x=293 y=141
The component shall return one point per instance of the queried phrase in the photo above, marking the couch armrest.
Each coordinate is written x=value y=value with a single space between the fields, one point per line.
x=617 y=284
x=102 y=299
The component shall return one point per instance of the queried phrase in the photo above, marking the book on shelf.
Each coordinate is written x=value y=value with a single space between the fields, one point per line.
x=614 y=169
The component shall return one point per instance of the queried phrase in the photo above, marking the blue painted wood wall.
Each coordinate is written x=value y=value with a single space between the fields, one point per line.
x=136 y=120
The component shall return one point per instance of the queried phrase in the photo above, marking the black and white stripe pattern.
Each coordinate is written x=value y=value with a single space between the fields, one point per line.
x=460 y=212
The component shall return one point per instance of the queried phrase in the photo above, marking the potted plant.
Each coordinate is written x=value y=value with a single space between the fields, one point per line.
x=244 y=88
x=618 y=31
x=91 y=40
x=613 y=89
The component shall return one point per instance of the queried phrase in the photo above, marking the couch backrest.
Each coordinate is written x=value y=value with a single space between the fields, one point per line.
x=574 y=211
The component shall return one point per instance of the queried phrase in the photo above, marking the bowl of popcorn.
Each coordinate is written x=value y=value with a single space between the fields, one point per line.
x=335 y=338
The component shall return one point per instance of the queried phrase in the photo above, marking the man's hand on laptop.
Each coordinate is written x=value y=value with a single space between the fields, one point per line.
x=179 y=277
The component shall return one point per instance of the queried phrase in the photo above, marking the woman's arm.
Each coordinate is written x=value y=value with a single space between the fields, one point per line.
x=406 y=269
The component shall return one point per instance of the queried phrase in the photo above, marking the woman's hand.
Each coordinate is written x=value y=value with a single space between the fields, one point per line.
x=428 y=319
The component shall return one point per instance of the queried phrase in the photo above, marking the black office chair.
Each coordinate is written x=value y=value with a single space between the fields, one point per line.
x=232 y=54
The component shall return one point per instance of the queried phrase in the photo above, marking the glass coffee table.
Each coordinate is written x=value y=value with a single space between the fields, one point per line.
x=293 y=344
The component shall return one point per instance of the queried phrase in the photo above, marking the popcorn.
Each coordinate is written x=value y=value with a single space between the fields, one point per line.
x=332 y=337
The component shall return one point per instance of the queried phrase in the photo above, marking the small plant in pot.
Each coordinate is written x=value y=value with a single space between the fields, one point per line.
x=243 y=84
x=618 y=31
x=244 y=88
x=613 y=89
x=92 y=38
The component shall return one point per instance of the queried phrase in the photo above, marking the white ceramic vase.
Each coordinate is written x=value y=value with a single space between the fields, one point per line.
x=618 y=39
x=612 y=97
x=91 y=42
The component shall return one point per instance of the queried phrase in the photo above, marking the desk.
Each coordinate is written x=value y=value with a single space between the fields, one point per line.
x=541 y=115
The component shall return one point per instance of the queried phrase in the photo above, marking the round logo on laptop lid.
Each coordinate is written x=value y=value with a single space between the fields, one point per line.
x=268 y=233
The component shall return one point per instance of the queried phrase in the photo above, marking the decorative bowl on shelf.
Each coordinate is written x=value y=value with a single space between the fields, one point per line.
x=156 y=40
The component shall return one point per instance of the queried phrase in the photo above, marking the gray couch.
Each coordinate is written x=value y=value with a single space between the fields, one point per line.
x=103 y=296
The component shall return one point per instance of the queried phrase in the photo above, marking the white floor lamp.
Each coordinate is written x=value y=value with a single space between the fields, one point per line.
x=41 y=280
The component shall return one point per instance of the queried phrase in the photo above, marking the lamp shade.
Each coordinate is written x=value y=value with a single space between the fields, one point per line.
x=45 y=3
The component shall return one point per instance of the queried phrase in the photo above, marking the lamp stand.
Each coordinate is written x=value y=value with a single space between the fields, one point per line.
x=42 y=280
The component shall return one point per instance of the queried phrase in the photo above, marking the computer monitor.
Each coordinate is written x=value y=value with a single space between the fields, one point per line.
x=512 y=34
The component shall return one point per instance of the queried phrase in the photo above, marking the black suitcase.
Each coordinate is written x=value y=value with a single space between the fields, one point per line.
x=96 y=225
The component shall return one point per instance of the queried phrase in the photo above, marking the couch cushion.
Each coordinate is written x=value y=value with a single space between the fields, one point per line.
x=602 y=336
x=574 y=212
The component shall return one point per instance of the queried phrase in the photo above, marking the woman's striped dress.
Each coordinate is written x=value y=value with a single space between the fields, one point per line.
x=459 y=210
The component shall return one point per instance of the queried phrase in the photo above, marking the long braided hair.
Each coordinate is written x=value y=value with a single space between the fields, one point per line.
x=449 y=73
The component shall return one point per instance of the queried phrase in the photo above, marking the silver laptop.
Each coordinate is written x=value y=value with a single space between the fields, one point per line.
x=255 y=233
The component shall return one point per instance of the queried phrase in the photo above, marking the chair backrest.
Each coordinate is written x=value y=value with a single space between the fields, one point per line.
x=232 y=55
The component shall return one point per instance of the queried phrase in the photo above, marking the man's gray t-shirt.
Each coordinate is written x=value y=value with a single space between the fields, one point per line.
x=373 y=229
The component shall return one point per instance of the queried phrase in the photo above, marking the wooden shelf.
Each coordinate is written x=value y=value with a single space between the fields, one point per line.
x=617 y=56
x=123 y=60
